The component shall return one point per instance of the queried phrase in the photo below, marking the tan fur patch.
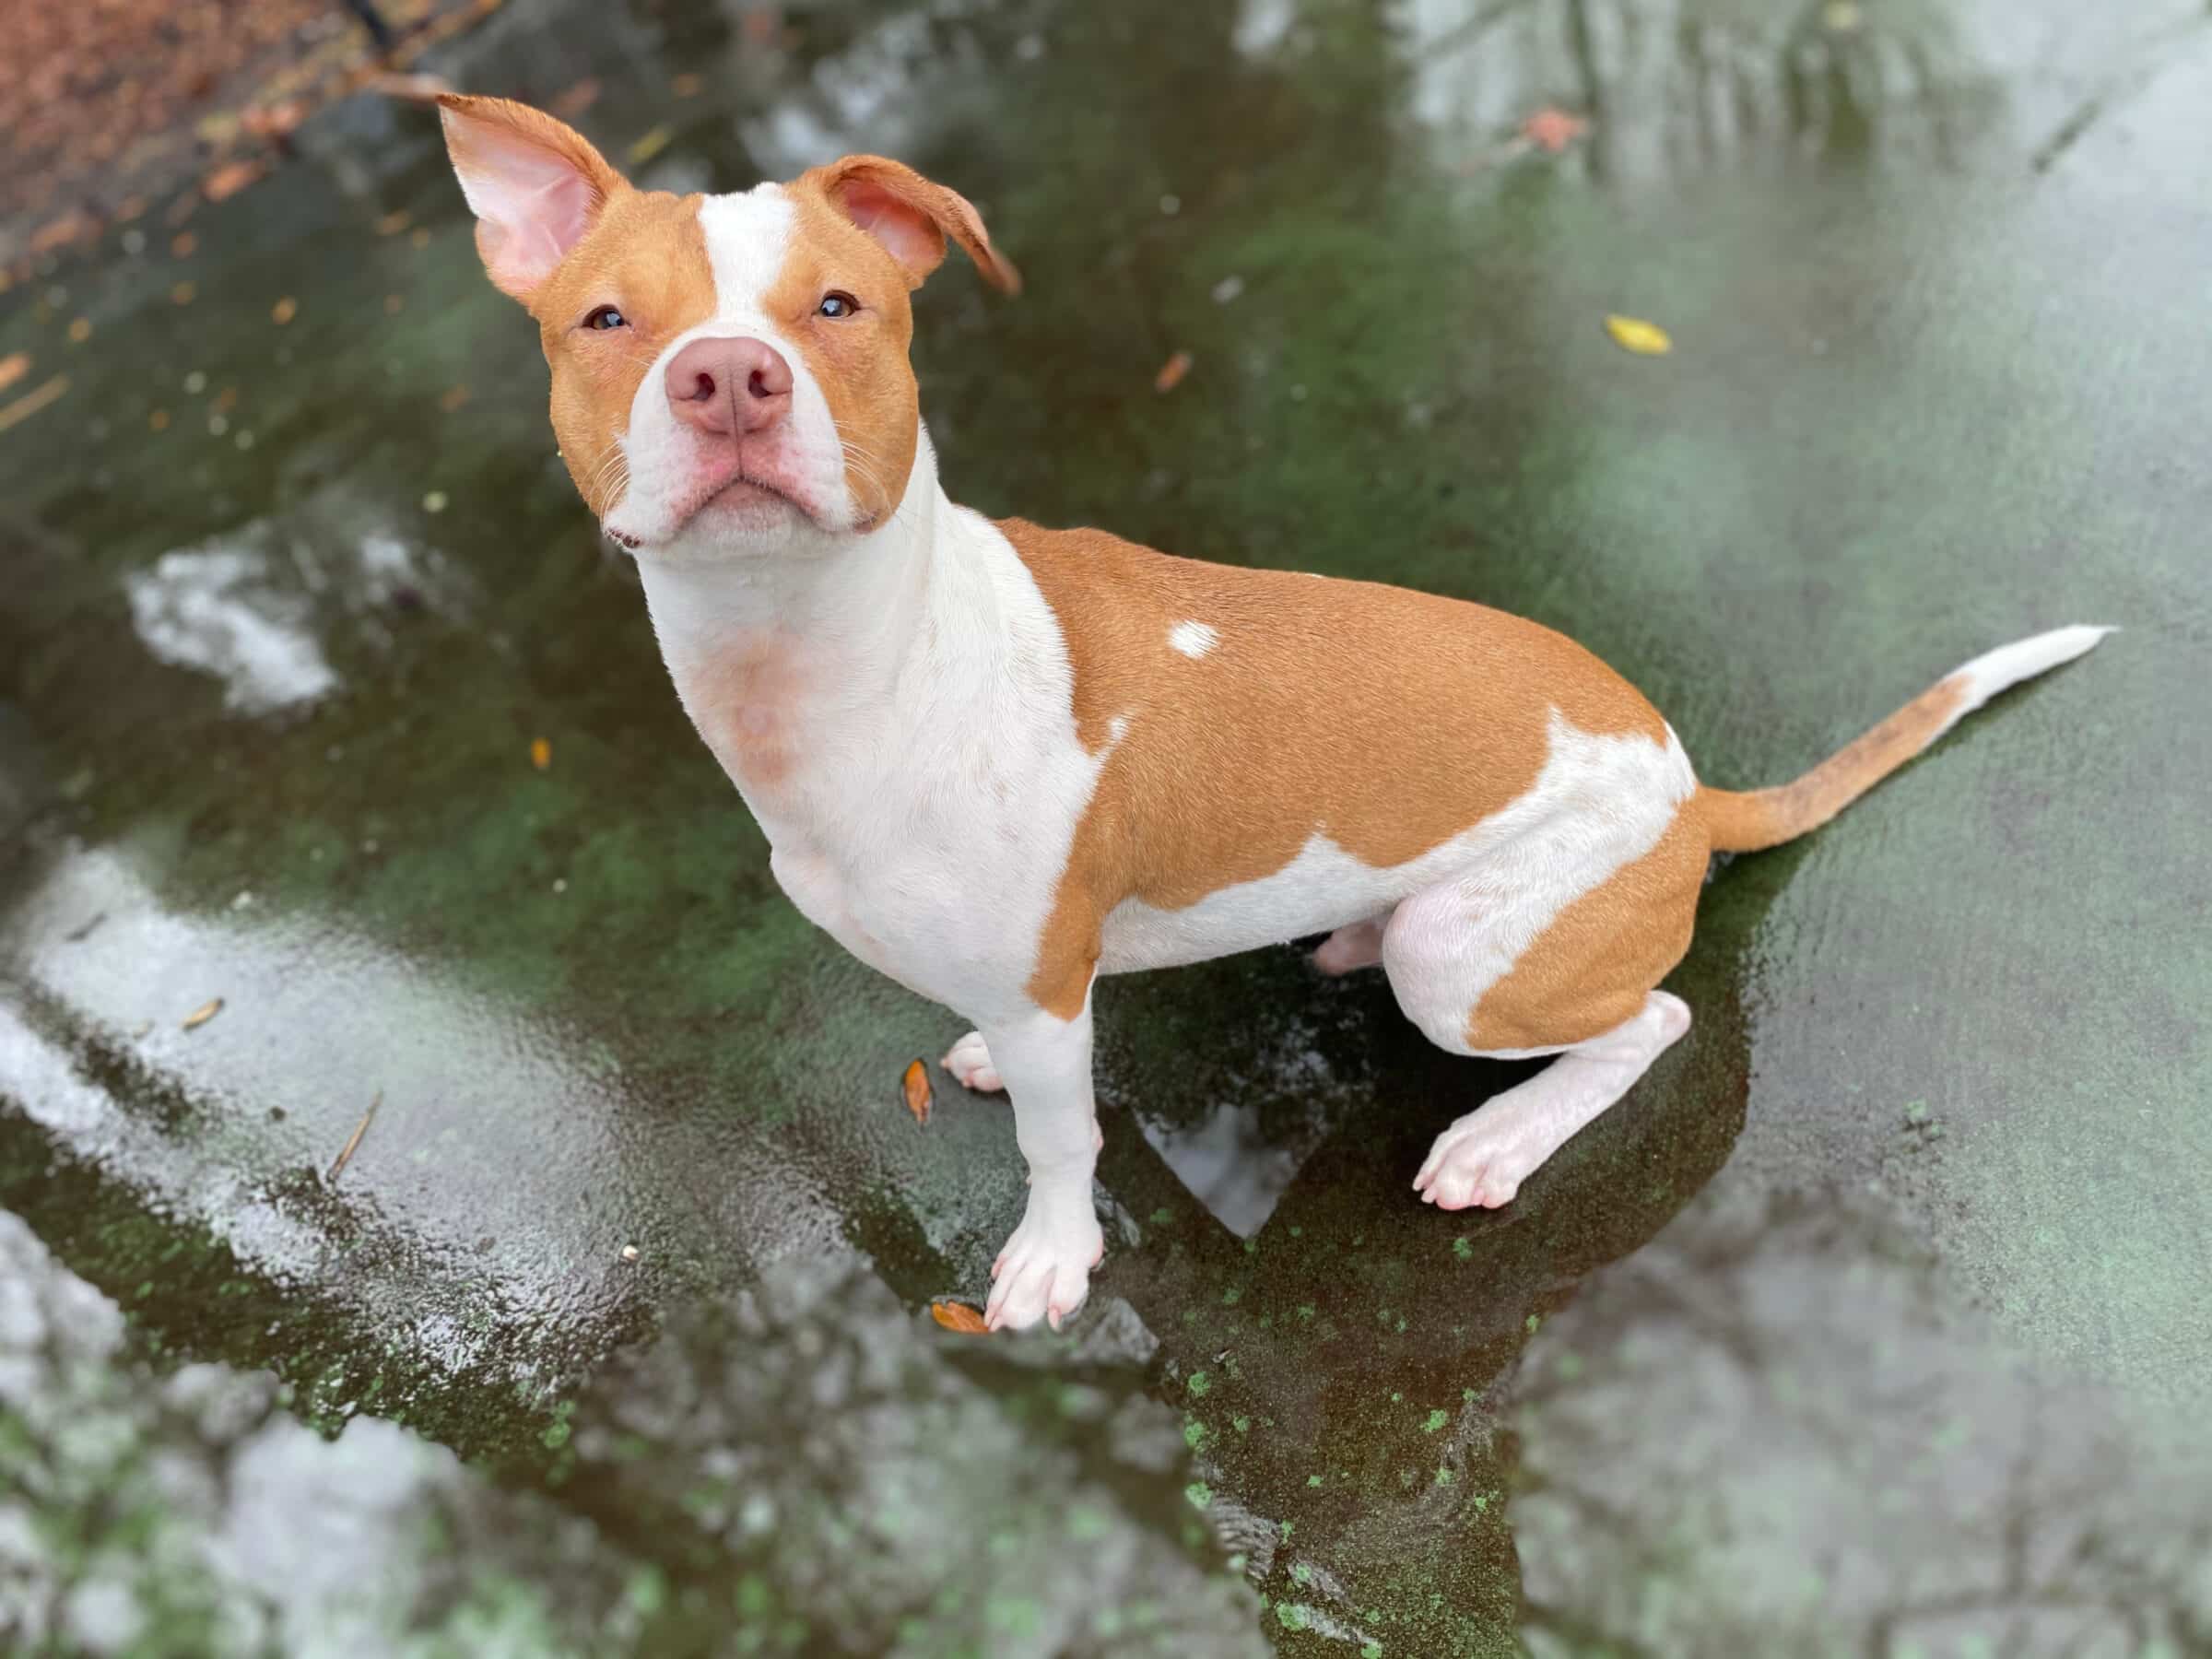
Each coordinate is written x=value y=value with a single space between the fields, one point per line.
x=646 y=256
x=1386 y=720
x=859 y=361
x=1591 y=968
x=1767 y=818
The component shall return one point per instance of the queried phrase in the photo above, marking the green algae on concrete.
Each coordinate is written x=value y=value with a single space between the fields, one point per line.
x=265 y=728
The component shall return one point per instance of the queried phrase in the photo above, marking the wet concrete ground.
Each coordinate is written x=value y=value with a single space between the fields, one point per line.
x=1873 y=1321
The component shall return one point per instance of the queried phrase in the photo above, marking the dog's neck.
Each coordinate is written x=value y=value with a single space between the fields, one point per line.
x=857 y=597
x=791 y=654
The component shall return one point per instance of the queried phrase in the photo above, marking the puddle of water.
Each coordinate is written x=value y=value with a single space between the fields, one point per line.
x=1934 y=274
x=773 y=1475
x=1775 y=1429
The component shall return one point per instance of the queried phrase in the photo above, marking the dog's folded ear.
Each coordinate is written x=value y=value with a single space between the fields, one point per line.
x=912 y=217
x=535 y=185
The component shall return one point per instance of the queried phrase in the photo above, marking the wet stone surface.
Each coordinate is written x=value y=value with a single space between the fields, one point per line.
x=1874 y=1315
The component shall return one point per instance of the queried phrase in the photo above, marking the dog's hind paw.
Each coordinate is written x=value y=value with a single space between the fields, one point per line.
x=969 y=1061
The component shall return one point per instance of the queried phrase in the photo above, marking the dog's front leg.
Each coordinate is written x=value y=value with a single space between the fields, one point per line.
x=1045 y=1267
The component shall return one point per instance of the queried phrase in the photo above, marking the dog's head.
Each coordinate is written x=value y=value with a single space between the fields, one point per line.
x=726 y=369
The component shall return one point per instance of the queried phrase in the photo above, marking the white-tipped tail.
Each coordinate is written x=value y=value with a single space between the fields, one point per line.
x=1767 y=818
x=2008 y=666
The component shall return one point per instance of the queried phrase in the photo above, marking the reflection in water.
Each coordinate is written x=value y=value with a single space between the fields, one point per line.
x=807 y=1469
x=1255 y=1124
x=217 y=611
x=259 y=608
x=1772 y=1432
x=1228 y=1162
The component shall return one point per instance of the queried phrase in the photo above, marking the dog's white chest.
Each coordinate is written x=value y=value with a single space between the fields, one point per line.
x=921 y=787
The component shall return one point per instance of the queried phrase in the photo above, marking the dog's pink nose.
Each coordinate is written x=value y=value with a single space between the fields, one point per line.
x=728 y=385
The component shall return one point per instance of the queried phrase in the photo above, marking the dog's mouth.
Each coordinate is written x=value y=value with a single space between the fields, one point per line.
x=746 y=493
x=736 y=494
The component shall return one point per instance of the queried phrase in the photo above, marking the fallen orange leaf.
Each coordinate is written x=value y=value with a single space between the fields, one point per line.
x=30 y=403
x=13 y=368
x=575 y=99
x=452 y=398
x=1552 y=129
x=230 y=178
x=915 y=1084
x=685 y=86
x=72 y=226
x=183 y=243
x=158 y=421
x=183 y=293
x=1171 y=373
x=80 y=331
x=541 y=753
x=960 y=1317
x=203 y=1014
x=392 y=224
x=284 y=311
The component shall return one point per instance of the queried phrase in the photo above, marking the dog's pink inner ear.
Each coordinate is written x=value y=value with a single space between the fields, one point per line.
x=534 y=186
x=911 y=218
x=912 y=235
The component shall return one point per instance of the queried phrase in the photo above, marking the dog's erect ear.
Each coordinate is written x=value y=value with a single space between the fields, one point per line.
x=912 y=217
x=535 y=185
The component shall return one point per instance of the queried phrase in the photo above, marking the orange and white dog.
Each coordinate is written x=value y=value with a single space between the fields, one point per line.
x=995 y=761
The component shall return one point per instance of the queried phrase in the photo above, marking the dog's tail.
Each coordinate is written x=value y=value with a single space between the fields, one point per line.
x=1767 y=818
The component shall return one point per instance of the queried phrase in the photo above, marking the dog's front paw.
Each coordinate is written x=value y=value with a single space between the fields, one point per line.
x=969 y=1061
x=1045 y=1271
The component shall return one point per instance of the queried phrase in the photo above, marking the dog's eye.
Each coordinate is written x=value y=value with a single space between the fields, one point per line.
x=606 y=316
x=837 y=304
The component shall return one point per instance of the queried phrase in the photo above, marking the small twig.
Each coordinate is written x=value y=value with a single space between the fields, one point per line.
x=354 y=1140
x=78 y=936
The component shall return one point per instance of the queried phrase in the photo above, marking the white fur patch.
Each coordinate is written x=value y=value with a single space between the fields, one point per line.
x=1193 y=639
x=2008 y=666
x=932 y=730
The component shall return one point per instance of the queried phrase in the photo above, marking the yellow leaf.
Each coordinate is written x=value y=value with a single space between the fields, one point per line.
x=284 y=311
x=1645 y=339
x=651 y=143
x=541 y=753
x=203 y=1014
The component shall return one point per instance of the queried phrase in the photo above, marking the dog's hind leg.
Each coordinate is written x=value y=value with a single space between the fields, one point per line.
x=1348 y=948
x=1482 y=975
x=1485 y=1157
